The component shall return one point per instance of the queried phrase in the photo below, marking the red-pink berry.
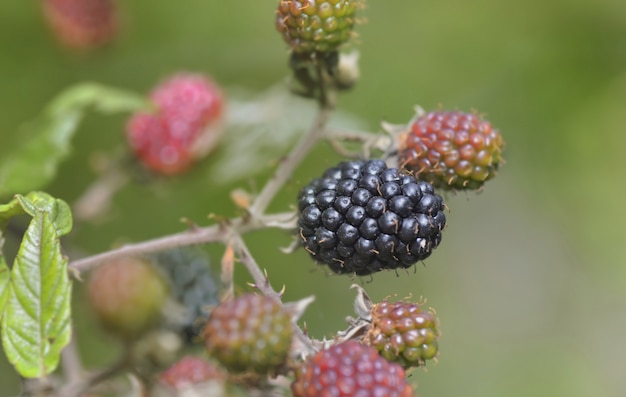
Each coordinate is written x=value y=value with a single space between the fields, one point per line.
x=184 y=127
x=350 y=369
x=451 y=149
x=82 y=24
x=188 y=371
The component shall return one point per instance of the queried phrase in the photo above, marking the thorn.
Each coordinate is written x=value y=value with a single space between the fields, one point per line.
x=282 y=291
x=228 y=270
x=267 y=277
x=75 y=273
x=241 y=198
x=291 y=248
x=190 y=224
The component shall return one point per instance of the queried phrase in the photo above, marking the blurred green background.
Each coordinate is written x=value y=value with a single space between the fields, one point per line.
x=530 y=280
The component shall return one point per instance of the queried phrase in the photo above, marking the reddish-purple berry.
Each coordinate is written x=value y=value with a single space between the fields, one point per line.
x=184 y=128
x=350 y=369
x=451 y=149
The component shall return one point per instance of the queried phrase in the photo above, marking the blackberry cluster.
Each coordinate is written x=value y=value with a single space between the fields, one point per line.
x=350 y=369
x=402 y=332
x=362 y=217
x=193 y=286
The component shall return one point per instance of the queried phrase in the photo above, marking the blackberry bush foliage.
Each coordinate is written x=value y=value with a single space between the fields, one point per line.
x=185 y=324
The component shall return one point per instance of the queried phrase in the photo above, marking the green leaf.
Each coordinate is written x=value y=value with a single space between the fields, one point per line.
x=34 y=163
x=8 y=211
x=5 y=277
x=36 y=321
x=58 y=210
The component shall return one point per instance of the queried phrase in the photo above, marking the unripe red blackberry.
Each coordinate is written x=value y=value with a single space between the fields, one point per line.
x=350 y=369
x=250 y=333
x=190 y=370
x=361 y=217
x=404 y=333
x=184 y=128
x=82 y=24
x=127 y=296
x=316 y=25
x=451 y=149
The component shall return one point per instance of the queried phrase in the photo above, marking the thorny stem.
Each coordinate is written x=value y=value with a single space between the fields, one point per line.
x=195 y=235
x=262 y=283
x=316 y=131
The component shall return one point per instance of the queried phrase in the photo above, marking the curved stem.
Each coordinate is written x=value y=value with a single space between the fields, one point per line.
x=288 y=165
x=196 y=235
x=262 y=283
x=327 y=101
x=70 y=360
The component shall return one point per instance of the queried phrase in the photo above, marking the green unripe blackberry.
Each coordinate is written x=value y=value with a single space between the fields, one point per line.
x=404 y=333
x=250 y=333
x=361 y=217
x=451 y=149
x=127 y=296
x=315 y=25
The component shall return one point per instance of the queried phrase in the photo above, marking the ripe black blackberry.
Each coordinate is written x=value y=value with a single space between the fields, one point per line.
x=193 y=286
x=362 y=217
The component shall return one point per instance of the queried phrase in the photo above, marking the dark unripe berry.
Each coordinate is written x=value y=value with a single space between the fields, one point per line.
x=194 y=287
x=250 y=333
